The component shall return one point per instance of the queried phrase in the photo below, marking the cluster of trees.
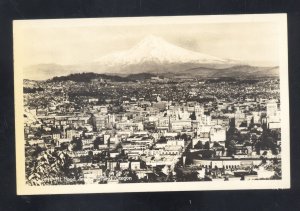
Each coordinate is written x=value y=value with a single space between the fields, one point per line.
x=45 y=167
x=223 y=79
x=98 y=141
x=32 y=90
x=141 y=76
x=202 y=99
x=87 y=77
x=230 y=80
x=149 y=126
x=182 y=176
x=77 y=144
x=205 y=153
x=162 y=139
x=193 y=116
x=267 y=141
x=199 y=145
x=183 y=136
x=233 y=137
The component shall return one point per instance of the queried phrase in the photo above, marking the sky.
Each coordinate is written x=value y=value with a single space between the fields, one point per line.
x=75 y=41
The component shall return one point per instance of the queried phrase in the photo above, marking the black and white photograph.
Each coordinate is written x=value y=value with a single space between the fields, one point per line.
x=147 y=104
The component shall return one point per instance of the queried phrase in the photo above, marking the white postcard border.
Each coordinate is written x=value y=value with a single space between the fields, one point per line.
x=23 y=189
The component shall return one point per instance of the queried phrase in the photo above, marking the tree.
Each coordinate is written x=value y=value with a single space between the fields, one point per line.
x=97 y=142
x=170 y=176
x=179 y=174
x=233 y=134
x=77 y=173
x=247 y=143
x=63 y=146
x=207 y=154
x=51 y=165
x=77 y=144
x=242 y=138
x=184 y=137
x=230 y=147
x=254 y=138
x=90 y=156
x=206 y=145
x=37 y=151
x=258 y=147
x=232 y=123
x=162 y=139
x=268 y=142
x=216 y=144
x=143 y=165
x=193 y=116
x=193 y=176
x=275 y=161
x=263 y=160
x=199 y=145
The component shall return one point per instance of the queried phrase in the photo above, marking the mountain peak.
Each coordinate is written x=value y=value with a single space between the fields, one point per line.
x=155 y=50
x=152 y=37
x=151 y=40
x=153 y=46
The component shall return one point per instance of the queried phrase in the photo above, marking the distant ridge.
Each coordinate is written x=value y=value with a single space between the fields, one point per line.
x=87 y=77
x=235 y=71
x=208 y=73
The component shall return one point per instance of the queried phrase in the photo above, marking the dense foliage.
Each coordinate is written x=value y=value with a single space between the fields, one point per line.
x=87 y=77
x=32 y=90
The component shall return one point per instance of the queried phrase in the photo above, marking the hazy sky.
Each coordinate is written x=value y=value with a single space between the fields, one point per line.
x=71 y=42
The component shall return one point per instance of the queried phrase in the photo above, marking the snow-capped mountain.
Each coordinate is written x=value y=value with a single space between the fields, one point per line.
x=156 y=54
x=155 y=49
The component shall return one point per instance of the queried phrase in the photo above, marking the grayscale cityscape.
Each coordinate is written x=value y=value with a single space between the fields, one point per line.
x=154 y=111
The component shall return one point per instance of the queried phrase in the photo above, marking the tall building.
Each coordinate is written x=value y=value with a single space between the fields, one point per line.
x=273 y=114
x=271 y=108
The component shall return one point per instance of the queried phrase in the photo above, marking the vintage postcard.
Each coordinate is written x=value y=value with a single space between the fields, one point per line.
x=183 y=103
